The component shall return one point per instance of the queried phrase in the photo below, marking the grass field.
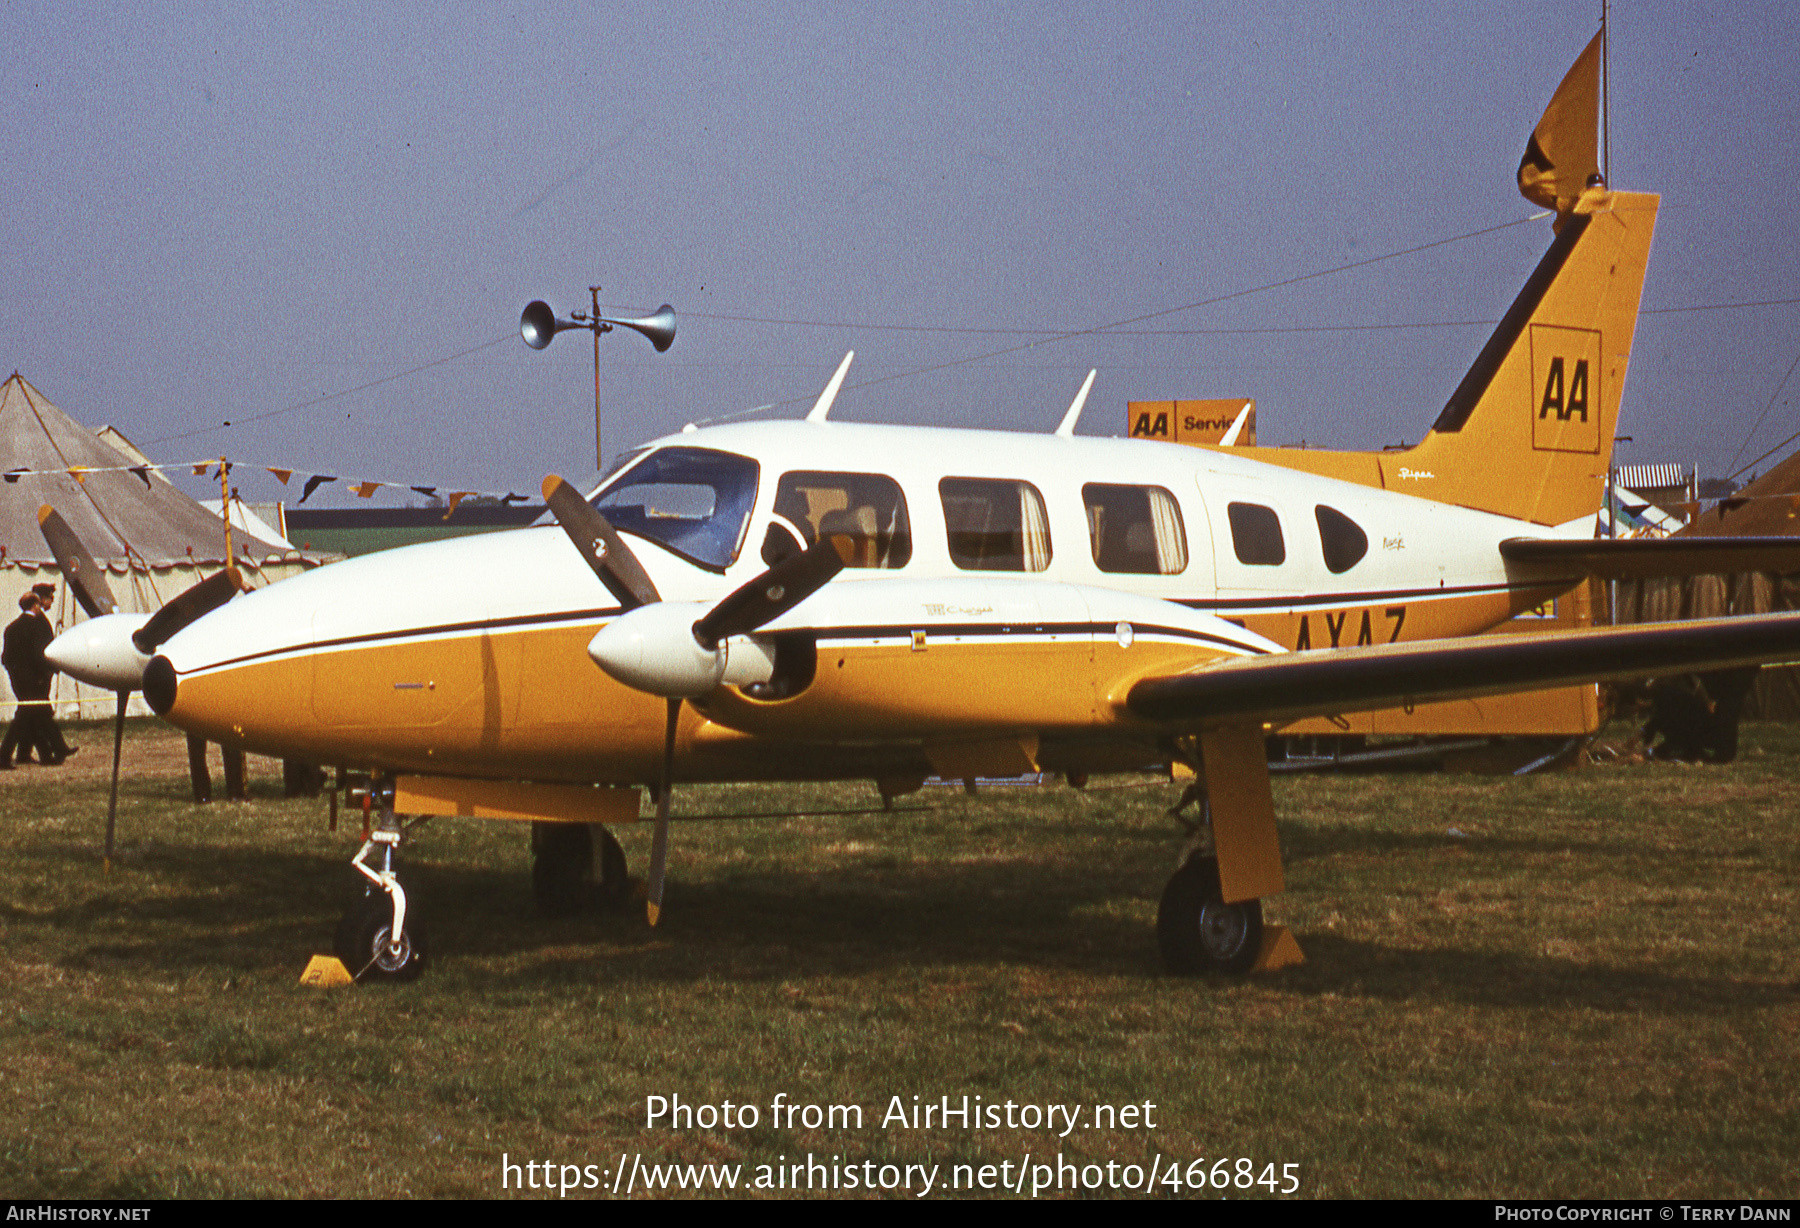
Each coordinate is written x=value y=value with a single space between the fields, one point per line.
x=1590 y=988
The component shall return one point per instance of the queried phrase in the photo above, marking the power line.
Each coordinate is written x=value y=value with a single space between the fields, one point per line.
x=332 y=396
x=1102 y=329
x=1759 y=421
x=866 y=326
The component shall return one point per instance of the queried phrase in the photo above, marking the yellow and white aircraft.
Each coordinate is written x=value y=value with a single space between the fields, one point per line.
x=825 y=600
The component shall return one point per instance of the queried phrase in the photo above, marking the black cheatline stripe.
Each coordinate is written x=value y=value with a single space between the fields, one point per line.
x=527 y=620
x=1196 y=603
x=1276 y=601
x=1468 y=393
x=843 y=633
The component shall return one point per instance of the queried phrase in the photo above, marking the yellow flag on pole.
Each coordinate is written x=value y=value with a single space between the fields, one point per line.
x=1564 y=148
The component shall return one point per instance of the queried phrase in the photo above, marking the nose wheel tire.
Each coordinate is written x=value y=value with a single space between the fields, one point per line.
x=1198 y=932
x=364 y=941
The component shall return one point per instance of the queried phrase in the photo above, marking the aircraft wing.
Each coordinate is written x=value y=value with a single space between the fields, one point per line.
x=1643 y=557
x=1327 y=682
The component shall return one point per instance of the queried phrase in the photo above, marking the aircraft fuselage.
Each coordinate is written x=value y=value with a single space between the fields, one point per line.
x=1058 y=571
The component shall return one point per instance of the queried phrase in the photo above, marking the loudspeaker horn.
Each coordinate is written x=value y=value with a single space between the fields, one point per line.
x=658 y=326
x=538 y=325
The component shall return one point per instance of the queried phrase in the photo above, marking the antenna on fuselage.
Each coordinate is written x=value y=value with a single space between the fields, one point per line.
x=823 y=405
x=1230 y=438
x=1067 y=429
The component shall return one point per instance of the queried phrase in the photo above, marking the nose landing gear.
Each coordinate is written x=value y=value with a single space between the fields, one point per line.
x=381 y=938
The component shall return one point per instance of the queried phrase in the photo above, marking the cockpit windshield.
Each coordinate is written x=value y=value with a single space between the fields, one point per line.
x=693 y=500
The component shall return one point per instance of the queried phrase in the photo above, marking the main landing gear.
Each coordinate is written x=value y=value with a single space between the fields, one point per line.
x=381 y=937
x=1198 y=932
x=563 y=878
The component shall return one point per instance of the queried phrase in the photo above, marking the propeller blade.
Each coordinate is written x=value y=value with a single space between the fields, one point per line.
x=188 y=606
x=112 y=801
x=770 y=595
x=659 y=843
x=87 y=580
x=609 y=556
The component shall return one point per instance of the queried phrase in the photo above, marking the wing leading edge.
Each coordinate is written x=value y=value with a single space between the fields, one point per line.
x=1331 y=681
x=1643 y=557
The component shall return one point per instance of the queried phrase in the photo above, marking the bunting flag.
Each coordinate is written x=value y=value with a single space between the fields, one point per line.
x=313 y=483
x=221 y=467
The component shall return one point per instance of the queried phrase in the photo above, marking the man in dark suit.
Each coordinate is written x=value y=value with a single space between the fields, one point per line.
x=23 y=655
x=53 y=738
x=33 y=726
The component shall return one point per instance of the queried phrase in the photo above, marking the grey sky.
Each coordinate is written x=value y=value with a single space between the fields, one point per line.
x=215 y=212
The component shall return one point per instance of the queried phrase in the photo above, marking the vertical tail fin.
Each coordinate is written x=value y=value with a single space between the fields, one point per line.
x=1529 y=431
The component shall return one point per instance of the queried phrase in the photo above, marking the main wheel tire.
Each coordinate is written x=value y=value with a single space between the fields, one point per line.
x=614 y=887
x=562 y=869
x=1198 y=932
x=362 y=940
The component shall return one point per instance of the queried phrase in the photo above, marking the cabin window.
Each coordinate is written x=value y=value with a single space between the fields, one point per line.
x=694 y=501
x=995 y=524
x=1256 y=534
x=1135 y=530
x=862 y=514
x=1340 y=538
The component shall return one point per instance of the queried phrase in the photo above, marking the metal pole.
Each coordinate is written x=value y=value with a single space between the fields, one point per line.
x=1605 y=109
x=225 y=504
x=594 y=322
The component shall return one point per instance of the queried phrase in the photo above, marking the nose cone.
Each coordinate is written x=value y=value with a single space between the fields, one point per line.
x=100 y=653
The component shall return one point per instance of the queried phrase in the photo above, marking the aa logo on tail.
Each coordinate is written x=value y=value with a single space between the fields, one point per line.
x=1565 y=389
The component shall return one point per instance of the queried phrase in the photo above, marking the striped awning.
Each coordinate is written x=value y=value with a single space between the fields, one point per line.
x=1641 y=477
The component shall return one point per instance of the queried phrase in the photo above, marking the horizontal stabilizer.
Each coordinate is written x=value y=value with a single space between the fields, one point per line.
x=1332 y=681
x=1641 y=557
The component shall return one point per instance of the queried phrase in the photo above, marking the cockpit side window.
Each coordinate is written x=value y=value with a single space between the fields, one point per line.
x=1256 y=534
x=695 y=501
x=863 y=515
x=995 y=524
x=1341 y=539
x=1135 y=530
